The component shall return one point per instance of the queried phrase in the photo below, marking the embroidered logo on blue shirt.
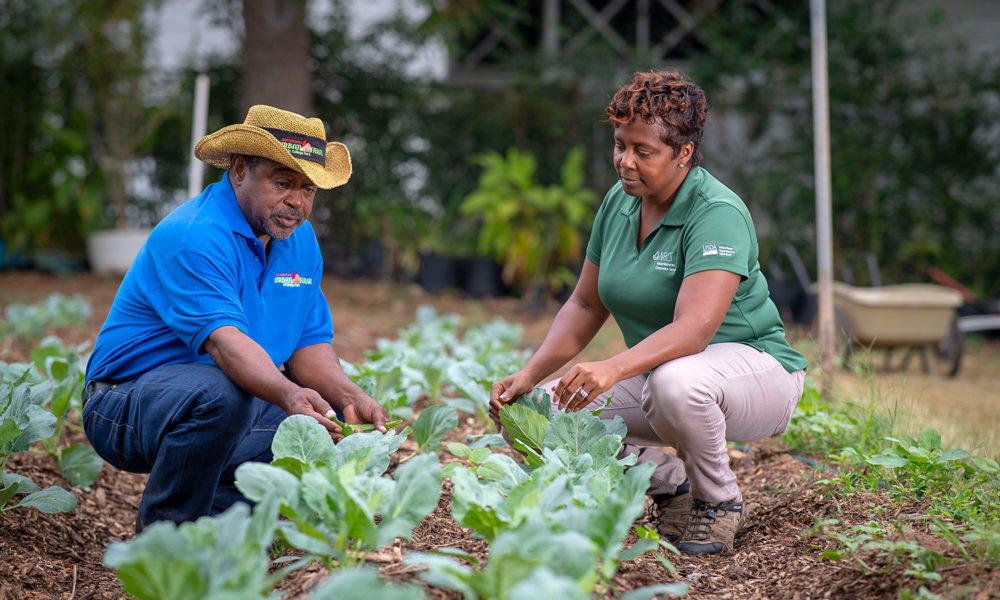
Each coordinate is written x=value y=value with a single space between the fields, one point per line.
x=292 y=279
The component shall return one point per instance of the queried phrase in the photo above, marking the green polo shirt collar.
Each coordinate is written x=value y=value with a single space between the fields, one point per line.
x=678 y=212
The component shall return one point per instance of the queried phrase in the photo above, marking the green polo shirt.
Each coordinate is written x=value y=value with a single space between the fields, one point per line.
x=707 y=227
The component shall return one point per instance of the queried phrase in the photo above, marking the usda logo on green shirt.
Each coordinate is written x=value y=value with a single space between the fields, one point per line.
x=713 y=250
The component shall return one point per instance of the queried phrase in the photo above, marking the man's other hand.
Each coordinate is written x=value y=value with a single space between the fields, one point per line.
x=362 y=409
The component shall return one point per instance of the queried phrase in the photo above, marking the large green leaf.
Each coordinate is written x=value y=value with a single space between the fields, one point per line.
x=888 y=461
x=418 y=487
x=257 y=480
x=222 y=557
x=543 y=583
x=985 y=464
x=432 y=424
x=163 y=579
x=576 y=431
x=471 y=378
x=302 y=438
x=369 y=451
x=40 y=425
x=477 y=505
x=13 y=484
x=930 y=439
x=51 y=500
x=952 y=455
x=504 y=470
x=80 y=465
x=362 y=583
x=539 y=401
x=522 y=423
x=8 y=430
x=444 y=572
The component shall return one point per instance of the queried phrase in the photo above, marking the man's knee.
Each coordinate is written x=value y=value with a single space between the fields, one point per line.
x=207 y=390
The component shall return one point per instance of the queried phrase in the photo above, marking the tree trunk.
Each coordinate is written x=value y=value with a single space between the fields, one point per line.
x=276 y=55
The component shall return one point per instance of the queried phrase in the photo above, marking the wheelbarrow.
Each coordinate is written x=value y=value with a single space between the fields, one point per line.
x=918 y=318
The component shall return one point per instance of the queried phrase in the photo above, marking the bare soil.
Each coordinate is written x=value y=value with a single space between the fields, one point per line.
x=60 y=556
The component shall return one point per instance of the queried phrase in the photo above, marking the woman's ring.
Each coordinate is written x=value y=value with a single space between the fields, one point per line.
x=582 y=392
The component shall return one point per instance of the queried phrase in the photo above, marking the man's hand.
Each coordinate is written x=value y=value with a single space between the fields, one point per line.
x=304 y=401
x=506 y=391
x=362 y=409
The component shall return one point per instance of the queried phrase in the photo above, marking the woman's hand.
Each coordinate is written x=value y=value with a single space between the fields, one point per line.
x=583 y=383
x=506 y=391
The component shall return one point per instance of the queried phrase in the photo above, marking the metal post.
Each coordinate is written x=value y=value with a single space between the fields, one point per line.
x=198 y=124
x=824 y=229
x=550 y=28
x=642 y=26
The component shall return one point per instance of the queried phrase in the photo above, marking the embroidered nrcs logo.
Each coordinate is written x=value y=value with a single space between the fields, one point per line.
x=664 y=261
x=292 y=279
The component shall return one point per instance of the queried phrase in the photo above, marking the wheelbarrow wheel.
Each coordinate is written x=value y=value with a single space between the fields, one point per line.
x=945 y=357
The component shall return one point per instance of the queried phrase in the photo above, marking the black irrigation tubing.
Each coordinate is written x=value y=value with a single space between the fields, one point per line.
x=809 y=461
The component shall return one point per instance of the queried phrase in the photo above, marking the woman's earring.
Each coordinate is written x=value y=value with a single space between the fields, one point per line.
x=680 y=166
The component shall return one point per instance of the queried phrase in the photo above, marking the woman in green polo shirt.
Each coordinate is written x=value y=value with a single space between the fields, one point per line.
x=673 y=258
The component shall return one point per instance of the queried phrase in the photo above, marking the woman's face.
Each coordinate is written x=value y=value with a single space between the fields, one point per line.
x=646 y=165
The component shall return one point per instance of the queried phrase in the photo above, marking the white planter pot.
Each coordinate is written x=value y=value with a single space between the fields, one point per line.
x=112 y=251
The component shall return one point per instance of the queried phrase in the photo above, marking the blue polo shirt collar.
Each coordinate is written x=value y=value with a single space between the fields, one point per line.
x=229 y=206
x=678 y=212
x=225 y=196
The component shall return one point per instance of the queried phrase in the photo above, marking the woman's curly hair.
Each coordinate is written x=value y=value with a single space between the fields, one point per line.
x=670 y=96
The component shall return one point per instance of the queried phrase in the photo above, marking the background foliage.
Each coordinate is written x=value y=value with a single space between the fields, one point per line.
x=914 y=136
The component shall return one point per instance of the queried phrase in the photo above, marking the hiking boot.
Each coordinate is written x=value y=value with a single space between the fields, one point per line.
x=671 y=512
x=712 y=528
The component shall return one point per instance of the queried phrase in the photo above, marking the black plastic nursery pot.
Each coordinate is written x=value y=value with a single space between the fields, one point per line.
x=483 y=278
x=439 y=272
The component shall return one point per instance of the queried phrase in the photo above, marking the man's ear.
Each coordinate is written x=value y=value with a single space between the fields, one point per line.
x=238 y=168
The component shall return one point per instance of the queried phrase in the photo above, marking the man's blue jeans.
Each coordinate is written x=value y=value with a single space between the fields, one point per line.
x=189 y=427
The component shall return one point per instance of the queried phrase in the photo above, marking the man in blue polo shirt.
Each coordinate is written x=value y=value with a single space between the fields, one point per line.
x=186 y=381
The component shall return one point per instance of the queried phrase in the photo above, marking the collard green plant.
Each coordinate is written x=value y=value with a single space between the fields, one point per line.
x=336 y=500
x=224 y=557
x=521 y=561
x=575 y=484
x=381 y=380
x=29 y=322
x=66 y=369
x=430 y=427
x=363 y=583
x=432 y=359
x=23 y=422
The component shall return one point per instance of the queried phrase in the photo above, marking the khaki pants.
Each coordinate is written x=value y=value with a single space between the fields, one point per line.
x=696 y=403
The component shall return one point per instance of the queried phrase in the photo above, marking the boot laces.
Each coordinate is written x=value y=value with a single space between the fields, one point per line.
x=704 y=516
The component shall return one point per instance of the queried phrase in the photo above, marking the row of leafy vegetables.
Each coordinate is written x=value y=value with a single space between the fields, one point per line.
x=555 y=522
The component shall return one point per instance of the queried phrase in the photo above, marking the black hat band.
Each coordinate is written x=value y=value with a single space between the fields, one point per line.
x=300 y=145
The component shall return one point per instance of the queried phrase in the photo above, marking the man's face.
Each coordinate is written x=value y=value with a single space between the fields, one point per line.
x=274 y=198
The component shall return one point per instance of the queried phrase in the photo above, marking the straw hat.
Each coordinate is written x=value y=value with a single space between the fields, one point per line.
x=295 y=141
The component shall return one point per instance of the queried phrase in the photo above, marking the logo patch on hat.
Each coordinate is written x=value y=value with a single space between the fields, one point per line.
x=300 y=145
